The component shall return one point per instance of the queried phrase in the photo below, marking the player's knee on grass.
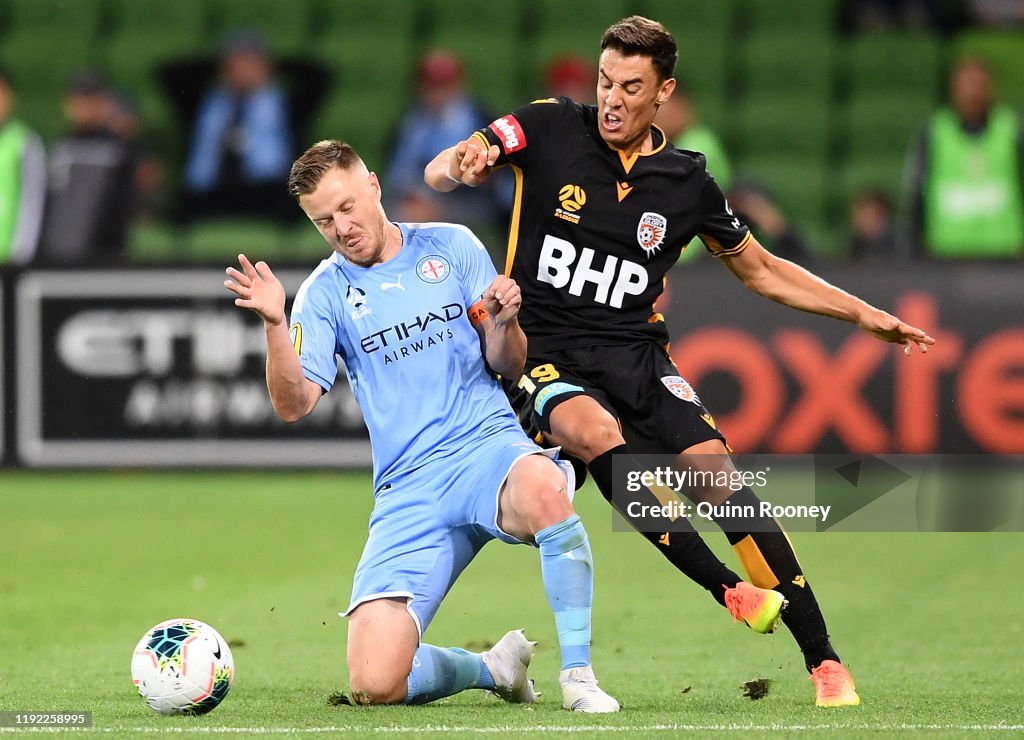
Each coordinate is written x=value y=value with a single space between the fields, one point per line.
x=535 y=497
x=371 y=686
x=382 y=639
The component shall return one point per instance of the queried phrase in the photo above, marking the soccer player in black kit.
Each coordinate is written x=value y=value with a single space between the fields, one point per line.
x=603 y=207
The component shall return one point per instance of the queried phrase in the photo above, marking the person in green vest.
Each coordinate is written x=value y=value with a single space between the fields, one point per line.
x=966 y=174
x=22 y=182
x=678 y=118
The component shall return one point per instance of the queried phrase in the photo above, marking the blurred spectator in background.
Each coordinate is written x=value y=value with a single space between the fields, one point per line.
x=572 y=76
x=440 y=116
x=22 y=182
x=753 y=204
x=678 y=119
x=966 y=173
x=90 y=181
x=242 y=140
x=148 y=198
x=874 y=234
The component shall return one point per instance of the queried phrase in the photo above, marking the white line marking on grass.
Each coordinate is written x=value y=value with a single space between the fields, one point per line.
x=428 y=729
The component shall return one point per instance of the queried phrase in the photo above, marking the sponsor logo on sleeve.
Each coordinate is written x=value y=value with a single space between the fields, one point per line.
x=510 y=132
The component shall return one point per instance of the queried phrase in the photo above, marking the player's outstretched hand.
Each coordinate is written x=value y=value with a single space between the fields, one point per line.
x=471 y=163
x=889 y=328
x=502 y=299
x=257 y=289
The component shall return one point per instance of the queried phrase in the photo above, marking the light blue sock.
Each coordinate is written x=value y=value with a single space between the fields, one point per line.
x=567 y=568
x=440 y=672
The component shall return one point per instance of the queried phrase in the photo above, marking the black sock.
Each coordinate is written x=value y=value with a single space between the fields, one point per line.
x=676 y=539
x=770 y=561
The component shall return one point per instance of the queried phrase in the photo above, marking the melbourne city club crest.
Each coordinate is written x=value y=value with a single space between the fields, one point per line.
x=433 y=269
x=650 y=232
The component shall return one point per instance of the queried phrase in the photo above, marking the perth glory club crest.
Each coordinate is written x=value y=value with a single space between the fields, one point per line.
x=650 y=232
x=679 y=388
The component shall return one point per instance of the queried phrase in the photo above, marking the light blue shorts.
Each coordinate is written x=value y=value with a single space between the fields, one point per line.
x=427 y=527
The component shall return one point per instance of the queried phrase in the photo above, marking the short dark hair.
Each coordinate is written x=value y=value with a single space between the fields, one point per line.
x=639 y=36
x=309 y=169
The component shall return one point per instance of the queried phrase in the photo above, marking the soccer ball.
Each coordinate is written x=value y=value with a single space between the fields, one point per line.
x=182 y=666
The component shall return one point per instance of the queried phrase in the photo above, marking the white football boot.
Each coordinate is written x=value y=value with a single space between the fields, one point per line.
x=580 y=692
x=507 y=661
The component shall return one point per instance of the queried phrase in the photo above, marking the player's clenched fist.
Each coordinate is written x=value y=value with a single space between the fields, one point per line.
x=470 y=162
x=502 y=299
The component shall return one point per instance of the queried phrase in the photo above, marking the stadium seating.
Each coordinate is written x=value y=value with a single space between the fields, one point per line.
x=303 y=243
x=151 y=241
x=791 y=97
x=772 y=62
x=57 y=17
x=287 y=25
x=798 y=18
x=799 y=185
x=46 y=60
x=763 y=124
x=363 y=119
x=559 y=27
x=492 y=76
x=41 y=111
x=184 y=21
x=884 y=173
x=900 y=62
x=471 y=18
x=709 y=18
x=133 y=57
x=220 y=241
x=579 y=17
x=882 y=122
x=355 y=62
x=378 y=19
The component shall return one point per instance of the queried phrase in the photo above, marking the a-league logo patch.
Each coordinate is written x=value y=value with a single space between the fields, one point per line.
x=356 y=297
x=680 y=389
x=650 y=232
x=433 y=269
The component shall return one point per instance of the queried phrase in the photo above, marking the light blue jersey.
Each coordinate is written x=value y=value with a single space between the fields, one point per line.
x=412 y=357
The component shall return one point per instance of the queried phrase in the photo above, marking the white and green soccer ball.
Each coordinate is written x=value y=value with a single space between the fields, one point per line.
x=182 y=666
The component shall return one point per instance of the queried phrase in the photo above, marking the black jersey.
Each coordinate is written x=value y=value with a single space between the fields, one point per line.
x=593 y=233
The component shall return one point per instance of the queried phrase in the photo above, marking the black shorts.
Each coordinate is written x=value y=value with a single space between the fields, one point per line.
x=638 y=384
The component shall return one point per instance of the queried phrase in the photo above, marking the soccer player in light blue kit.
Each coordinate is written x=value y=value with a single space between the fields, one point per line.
x=422 y=323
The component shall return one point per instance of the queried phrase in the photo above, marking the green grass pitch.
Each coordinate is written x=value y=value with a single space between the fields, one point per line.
x=932 y=625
